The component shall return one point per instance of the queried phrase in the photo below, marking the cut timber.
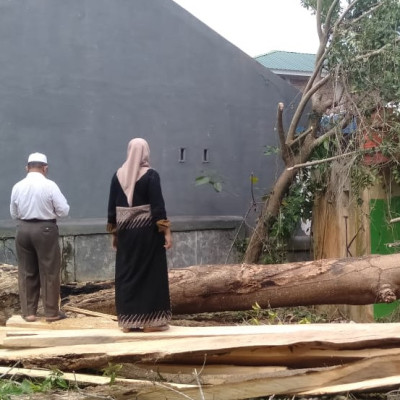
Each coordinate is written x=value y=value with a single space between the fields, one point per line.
x=76 y=378
x=211 y=288
x=268 y=335
x=223 y=362
x=16 y=321
x=372 y=374
x=262 y=345
x=192 y=374
x=369 y=384
x=376 y=370
x=88 y=312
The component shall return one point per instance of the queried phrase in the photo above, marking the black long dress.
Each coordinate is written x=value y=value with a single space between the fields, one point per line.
x=141 y=273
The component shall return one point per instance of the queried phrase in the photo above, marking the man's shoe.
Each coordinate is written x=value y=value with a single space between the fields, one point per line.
x=30 y=318
x=61 y=315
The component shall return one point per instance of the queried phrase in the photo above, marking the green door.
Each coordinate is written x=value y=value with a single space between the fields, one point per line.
x=383 y=233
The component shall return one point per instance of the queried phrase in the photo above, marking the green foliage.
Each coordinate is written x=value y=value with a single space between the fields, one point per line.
x=396 y=173
x=112 y=371
x=362 y=48
x=295 y=206
x=259 y=316
x=241 y=246
x=364 y=51
x=319 y=174
x=363 y=177
x=55 y=380
x=10 y=387
x=280 y=316
x=270 y=150
x=210 y=179
x=311 y=5
x=298 y=202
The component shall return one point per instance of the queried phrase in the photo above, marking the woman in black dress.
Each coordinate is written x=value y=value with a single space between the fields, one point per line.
x=141 y=234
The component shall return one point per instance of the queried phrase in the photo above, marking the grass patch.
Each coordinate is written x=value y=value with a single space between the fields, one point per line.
x=10 y=388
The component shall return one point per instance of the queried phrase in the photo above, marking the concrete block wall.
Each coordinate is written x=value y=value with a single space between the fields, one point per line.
x=87 y=254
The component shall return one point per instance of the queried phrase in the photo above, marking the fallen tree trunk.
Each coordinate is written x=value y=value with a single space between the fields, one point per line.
x=211 y=288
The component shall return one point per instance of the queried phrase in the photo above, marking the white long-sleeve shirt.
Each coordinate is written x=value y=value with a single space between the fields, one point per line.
x=35 y=196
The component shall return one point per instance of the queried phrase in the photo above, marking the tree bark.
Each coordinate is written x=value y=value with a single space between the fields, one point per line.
x=236 y=287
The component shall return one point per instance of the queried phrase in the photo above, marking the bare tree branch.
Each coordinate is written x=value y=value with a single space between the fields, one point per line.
x=331 y=131
x=316 y=162
x=280 y=129
x=319 y=21
x=329 y=16
x=302 y=104
x=281 y=134
x=368 y=12
x=311 y=87
x=365 y=56
x=301 y=136
x=346 y=11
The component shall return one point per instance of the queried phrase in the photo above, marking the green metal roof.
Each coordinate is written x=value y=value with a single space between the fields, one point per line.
x=287 y=61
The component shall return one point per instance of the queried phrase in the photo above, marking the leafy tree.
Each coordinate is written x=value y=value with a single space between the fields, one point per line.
x=356 y=77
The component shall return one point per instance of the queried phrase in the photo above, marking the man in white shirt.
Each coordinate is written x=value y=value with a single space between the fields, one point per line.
x=36 y=202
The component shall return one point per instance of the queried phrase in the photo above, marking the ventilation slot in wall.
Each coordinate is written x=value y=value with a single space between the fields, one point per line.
x=205 y=156
x=182 y=155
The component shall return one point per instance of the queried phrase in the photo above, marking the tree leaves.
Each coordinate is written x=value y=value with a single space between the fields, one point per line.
x=215 y=182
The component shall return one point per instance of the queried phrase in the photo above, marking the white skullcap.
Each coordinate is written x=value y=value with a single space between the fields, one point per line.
x=37 y=157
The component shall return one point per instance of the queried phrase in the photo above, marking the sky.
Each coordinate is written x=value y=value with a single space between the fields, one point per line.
x=258 y=26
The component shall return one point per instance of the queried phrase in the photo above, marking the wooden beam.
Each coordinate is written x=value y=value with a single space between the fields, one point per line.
x=78 y=310
x=78 y=378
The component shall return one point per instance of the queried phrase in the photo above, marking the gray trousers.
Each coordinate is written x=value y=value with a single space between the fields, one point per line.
x=39 y=265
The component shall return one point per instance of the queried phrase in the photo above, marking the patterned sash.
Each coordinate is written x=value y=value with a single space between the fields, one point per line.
x=133 y=217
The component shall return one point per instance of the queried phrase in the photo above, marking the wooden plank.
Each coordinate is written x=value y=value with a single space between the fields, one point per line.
x=91 y=313
x=32 y=339
x=156 y=347
x=255 y=345
x=295 y=356
x=360 y=335
x=388 y=382
x=298 y=356
x=192 y=374
x=274 y=335
x=77 y=378
x=312 y=345
x=81 y=322
x=378 y=372
x=366 y=374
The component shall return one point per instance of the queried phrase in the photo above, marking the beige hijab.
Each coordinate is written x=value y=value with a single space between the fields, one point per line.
x=135 y=166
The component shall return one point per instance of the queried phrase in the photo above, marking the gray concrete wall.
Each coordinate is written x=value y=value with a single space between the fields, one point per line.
x=80 y=78
x=87 y=254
